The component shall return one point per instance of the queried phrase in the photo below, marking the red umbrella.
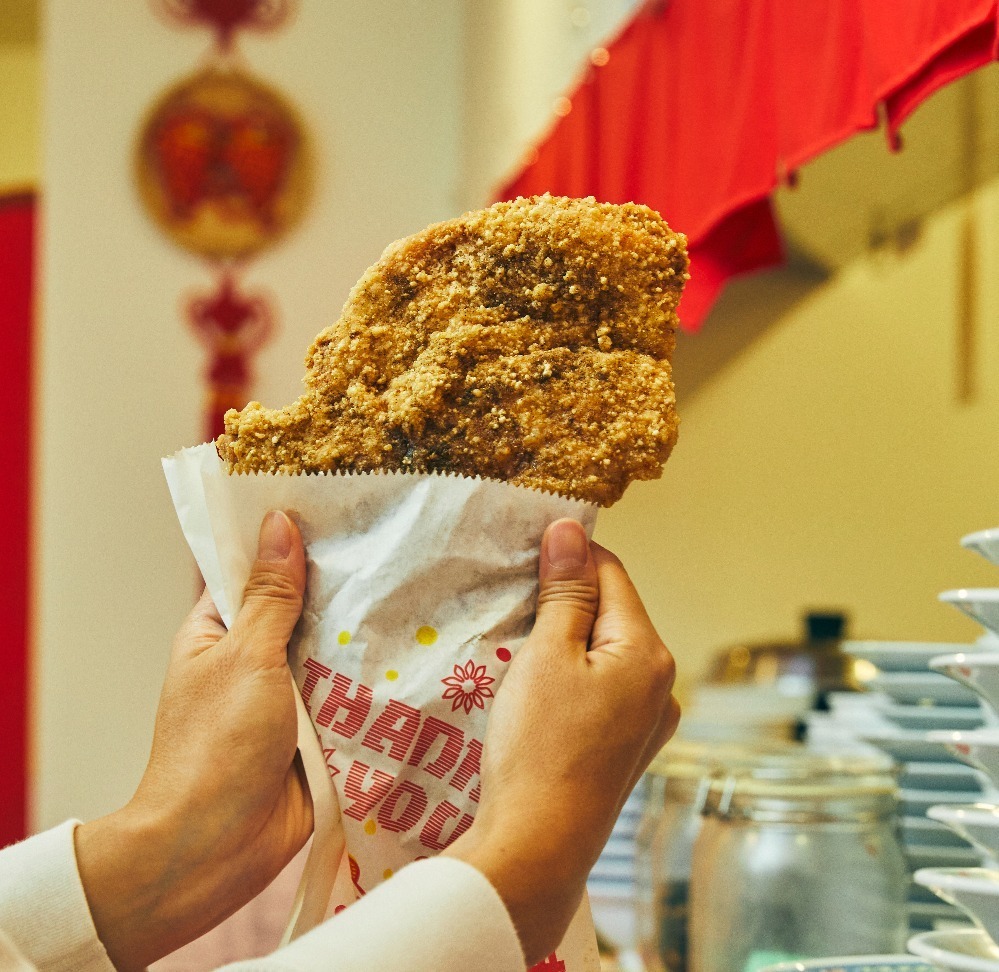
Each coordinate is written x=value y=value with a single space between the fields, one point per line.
x=700 y=110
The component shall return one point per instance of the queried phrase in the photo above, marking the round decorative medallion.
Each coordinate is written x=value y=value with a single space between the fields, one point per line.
x=222 y=164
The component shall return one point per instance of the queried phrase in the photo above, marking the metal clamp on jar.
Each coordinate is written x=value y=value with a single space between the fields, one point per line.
x=797 y=859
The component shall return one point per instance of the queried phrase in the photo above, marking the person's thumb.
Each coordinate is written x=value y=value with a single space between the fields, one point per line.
x=569 y=593
x=272 y=600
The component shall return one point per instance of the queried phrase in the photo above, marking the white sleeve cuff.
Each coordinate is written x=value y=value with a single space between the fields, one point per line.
x=433 y=915
x=43 y=908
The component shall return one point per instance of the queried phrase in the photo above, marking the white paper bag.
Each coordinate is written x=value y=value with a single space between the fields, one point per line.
x=421 y=588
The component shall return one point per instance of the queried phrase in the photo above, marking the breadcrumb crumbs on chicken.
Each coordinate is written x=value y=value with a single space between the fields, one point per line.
x=528 y=342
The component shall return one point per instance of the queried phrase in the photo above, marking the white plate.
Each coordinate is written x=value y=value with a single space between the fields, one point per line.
x=849 y=703
x=979 y=670
x=976 y=747
x=919 y=894
x=901 y=656
x=964 y=950
x=979 y=603
x=984 y=542
x=974 y=889
x=927 y=717
x=976 y=822
x=924 y=915
x=614 y=871
x=907 y=745
x=943 y=775
x=916 y=802
x=855 y=963
x=921 y=688
x=929 y=856
x=924 y=832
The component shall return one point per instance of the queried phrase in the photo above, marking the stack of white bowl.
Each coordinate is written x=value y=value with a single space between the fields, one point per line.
x=926 y=710
x=973 y=889
x=908 y=702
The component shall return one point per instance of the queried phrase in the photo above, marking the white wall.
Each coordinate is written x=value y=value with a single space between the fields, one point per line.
x=118 y=373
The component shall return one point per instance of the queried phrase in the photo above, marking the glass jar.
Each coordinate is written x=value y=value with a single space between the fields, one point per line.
x=677 y=785
x=800 y=860
x=664 y=844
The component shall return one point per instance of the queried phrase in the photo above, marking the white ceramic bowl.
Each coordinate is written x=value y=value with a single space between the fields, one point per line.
x=975 y=890
x=924 y=717
x=947 y=775
x=906 y=745
x=984 y=542
x=980 y=603
x=925 y=832
x=855 y=963
x=915 y=803
x=900 y=656
x=924 y=916
x=926 y=688
x=920 y=857
x=964 y=950
x=976 y=747
x=977 y=823
x=979 y=670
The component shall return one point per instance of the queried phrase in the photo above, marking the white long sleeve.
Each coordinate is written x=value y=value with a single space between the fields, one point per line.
x=432 y=916
x=43 y=909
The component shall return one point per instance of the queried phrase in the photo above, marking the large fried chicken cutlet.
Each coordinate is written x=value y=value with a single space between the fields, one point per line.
x=528 y=342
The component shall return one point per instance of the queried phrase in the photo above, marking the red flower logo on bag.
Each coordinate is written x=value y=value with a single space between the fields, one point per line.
x=468 y=687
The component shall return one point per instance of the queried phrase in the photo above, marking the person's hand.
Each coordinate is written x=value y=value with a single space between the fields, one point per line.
x=585 y=706
x=222 y=806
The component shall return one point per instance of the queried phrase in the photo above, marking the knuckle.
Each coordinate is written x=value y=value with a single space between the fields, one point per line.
x=661 y=672
x=267 y=584
x=570 y=591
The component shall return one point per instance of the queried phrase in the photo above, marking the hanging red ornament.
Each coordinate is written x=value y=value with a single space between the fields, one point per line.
x=222 y=168
x=221 y=164
x=227 y=16
x=232 y=326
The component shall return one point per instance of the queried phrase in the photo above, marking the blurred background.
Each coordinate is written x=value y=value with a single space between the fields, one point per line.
x=840 y=413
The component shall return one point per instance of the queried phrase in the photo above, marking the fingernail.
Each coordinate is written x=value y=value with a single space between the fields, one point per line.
x=275 y=537
x=567 y=545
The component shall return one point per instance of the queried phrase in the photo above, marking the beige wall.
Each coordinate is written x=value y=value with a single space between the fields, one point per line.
x=830 y=463
x=19 y=110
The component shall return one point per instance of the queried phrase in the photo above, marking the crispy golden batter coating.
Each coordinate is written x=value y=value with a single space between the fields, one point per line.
x=528 y=342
